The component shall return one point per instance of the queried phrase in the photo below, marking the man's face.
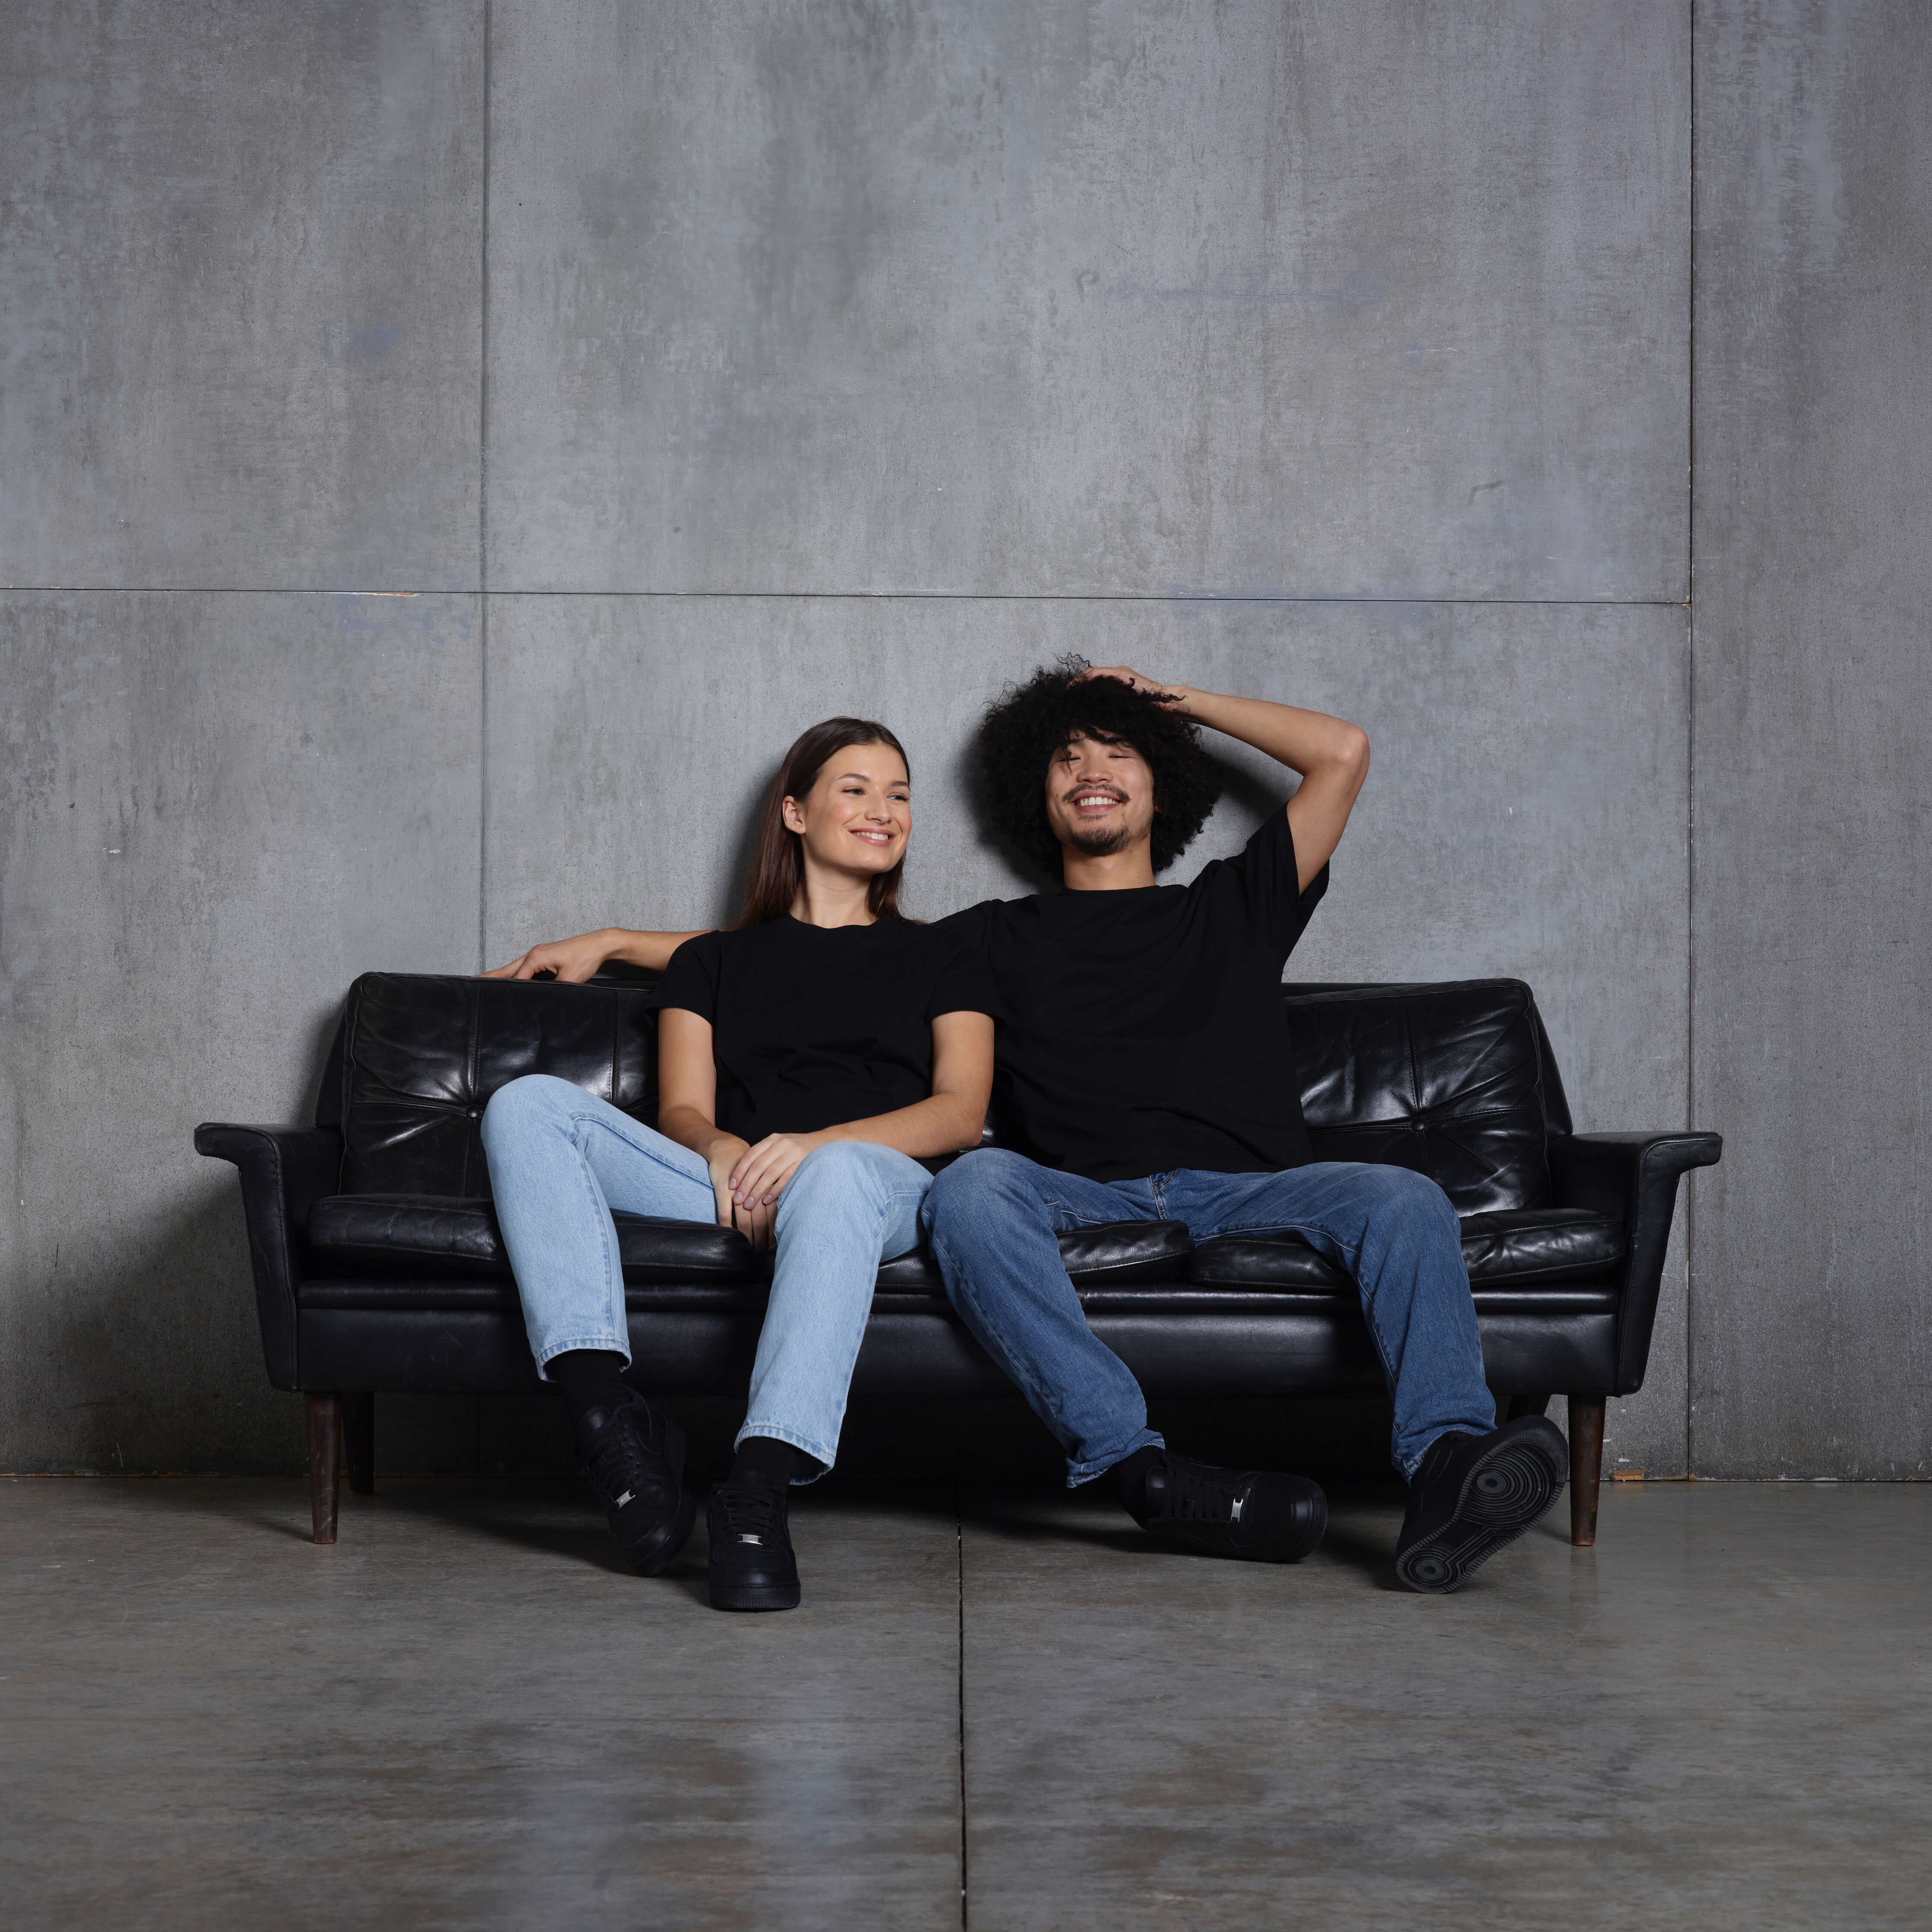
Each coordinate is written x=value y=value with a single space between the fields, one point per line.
x=1099 y=796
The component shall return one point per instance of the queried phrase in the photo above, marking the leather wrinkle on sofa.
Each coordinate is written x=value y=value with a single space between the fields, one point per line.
x=379 y=1265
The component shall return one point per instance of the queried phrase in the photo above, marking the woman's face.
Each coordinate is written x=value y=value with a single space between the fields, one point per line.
x=858 y=815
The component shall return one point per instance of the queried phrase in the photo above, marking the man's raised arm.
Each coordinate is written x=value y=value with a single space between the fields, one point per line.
x=1331 y=755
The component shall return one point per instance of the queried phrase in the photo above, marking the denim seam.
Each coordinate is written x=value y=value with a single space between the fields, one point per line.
x=613 y=1271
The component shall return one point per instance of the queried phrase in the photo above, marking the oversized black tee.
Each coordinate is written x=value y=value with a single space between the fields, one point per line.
x=812 y=1025
x=1143 y=1030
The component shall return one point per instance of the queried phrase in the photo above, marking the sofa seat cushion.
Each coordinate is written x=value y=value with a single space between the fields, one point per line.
x=401 y=1235
x=397 y=1236
x=1509 y=1248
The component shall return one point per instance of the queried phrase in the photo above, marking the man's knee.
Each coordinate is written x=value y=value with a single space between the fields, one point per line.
x=985 y=1175
x=1413 y=1199
x=529 y=1099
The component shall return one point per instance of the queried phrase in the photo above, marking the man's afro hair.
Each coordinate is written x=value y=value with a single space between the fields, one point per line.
x=1029 y=722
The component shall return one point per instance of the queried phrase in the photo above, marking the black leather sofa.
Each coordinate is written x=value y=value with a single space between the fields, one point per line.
x=378 y=1265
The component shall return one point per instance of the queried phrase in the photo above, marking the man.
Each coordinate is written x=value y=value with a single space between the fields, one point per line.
x=1144 y=1071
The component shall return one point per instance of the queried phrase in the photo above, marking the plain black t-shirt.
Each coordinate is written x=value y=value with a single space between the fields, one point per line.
x=813 y=1025
x=1143 y=1030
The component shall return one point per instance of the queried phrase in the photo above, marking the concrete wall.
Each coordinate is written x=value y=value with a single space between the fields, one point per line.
x=1813 y=793
x=700 y=370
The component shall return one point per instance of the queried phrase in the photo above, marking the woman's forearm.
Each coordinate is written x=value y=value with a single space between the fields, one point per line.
x=691 y=1128
x=650 y=950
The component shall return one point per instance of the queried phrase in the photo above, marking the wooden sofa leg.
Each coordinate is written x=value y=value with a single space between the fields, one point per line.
x=360 y=1427
x=325 y=1461
x=1586 y=1466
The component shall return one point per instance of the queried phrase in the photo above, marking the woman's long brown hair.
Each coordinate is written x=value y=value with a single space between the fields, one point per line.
x=778 y=871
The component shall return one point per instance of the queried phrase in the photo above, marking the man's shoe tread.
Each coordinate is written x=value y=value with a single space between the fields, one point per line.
x=1471 y=1494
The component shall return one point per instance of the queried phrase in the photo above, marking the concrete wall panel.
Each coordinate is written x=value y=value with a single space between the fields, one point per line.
x=1525 y=814
x=239 y=261
x=1376 y=300
x=214 y=811
x=1813 y=1354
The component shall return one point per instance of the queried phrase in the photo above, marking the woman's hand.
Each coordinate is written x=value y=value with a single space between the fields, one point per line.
x=573 y=961
x=759 y=1176
x=752 y=1220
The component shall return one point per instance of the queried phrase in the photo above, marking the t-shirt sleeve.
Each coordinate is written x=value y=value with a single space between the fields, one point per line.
x=964 y=982
x=1270 y=880
x=691 y=980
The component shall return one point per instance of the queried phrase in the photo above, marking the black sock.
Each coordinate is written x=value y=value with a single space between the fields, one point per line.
x=589 y=1378
x=1130 y=1475
x=763 y=1455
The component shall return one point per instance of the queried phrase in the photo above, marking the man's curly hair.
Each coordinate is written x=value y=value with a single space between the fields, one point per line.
x=1028 y=723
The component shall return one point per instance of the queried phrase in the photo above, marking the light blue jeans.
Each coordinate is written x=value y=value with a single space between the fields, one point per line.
x=992 y=1216
x=561 y=1160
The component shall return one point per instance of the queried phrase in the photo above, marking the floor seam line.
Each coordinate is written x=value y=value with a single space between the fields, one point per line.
x=959 y=1556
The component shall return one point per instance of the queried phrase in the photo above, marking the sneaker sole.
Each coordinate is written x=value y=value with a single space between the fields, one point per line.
x=1503 y=1494
x=768 y=1597
x=655 y=1552
x=1217 y=1542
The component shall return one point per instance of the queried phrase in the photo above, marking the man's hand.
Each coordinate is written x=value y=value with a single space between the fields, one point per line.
x=573 y=961
x=751 y=1220
x=1138 y=680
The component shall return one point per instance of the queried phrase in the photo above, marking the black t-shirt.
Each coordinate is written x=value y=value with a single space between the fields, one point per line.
x=812 y=1025
x=1141 y=1031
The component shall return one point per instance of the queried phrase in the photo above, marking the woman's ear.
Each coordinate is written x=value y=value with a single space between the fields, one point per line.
x=793 y=819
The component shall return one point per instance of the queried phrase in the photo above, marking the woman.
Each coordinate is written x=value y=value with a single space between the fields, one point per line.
x=807 y=1061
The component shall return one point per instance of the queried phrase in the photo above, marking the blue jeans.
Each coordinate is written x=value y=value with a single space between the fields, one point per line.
x=561 y=1159
x=992 y=1217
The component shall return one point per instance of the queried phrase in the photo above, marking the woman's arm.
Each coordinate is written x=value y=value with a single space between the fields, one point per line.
x=574 y=961
x=950 y=1119
x=687 y=1109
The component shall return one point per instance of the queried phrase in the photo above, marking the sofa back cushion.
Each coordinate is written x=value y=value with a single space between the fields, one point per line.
x=1448 y=1079
x=418 y=1056
x=1453 y=1080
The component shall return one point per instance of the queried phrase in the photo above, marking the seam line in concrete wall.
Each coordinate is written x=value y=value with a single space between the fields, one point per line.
x=1691 y=781
x=838 y=596
x=483 y=534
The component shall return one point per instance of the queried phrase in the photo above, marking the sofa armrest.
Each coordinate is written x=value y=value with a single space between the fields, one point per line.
x=285 y=1172
x=1633 y=1178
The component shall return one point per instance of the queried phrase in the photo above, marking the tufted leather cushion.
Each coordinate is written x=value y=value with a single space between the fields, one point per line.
x=390 y=1234
x=418 y=1055
x=1501 y=1250
x=372 y=1234
x=1446 y=1080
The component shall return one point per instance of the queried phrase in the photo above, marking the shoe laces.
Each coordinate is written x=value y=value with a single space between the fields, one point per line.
x=621 y=1461
x=1195 y=1492
x=751 y=1509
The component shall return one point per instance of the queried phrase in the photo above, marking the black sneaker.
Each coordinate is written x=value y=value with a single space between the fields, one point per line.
x=636 y=1461
x=1471 y=1494
x=1254 y=1513
x=752 y=1566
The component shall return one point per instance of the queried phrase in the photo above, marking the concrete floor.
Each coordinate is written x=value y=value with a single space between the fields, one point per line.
x=467 y=1714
